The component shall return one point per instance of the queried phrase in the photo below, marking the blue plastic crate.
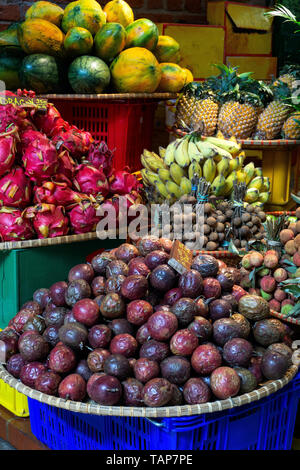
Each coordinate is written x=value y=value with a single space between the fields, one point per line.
x=267 y=424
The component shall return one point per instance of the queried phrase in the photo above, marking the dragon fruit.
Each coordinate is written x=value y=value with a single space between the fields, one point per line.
x=8 y=148
x=123 y=183
x=15 y=189
x=76 y=141
x=83 y=217
x=58 y=193
x=101 y=157
x=46 y=121
x=91 y=181
x=12 y=114
x=128 y=200
x=49 y=221
x=27 y=137
x=13 y=227
x=40 y=160
x=66 y=168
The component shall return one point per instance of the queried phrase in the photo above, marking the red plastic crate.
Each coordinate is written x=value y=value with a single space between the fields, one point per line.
x=125 y=125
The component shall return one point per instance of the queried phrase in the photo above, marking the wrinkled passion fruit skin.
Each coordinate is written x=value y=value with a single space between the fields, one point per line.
x=206 y=265
x=237 y=352
x=114 y=284
x=72 y=387
x=124 y=344
x=247 y=378
x=148 y=244
x=155 y=350
x=117 y=366
x=48 y=382
x=30 y=372
x=112 y=306
x=106 y=390
x=15 y=364
x=134 y=287
x=120 y=326
x=132 y=392
x=21 y=318
x=172 y=296
x=81 y=271
x=177 y=396
x=157 y=392
x=176 y=369
x=206 y=358
x=86 y=311
x=99 y=336
x=142 y=334
x=101 y=261
x=191 y=284
x=268 y=331
x=219 y=308
x=42 y=297
x=163 y=278
x=183 y=342
x=74 y=335
x=77 y=290
x=98 y=285
x=126 y=252
x=96 y=359
x=185 y=310
x=283 y=349
x=35 y=323
x=51 y=335
x=62 y=359
x=196 y=391
x=138 y=267
x=162 y=325
x=83 y=370
x=145 y=369
x=33 y=347
x=139 y=311
x=116 y=268
x=156 y=258
x=34 y=306
x=202 y=328
x=225 y=382
x=55 y=316
x=58 y=292
x=225 y=329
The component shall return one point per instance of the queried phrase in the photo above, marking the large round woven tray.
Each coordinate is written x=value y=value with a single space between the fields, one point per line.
x=112 y=96
x=163 y=412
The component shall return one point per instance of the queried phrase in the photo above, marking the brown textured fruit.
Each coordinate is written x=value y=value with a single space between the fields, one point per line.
x=254 y=307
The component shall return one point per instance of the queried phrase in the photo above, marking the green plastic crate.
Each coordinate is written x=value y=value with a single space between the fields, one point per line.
x=25 y=270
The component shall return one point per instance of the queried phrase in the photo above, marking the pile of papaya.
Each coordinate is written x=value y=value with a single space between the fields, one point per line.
x=85 y=48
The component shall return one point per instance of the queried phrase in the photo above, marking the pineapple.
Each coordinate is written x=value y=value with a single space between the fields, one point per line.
x=197 y=107
x=271 y=120
x=240 y=103
x=288 y=74
x=291 y=127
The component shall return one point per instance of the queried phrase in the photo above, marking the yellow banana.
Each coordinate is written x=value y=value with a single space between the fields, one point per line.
x=151 y=177
x=266 y=185
x=223 y=166
x=185 y=185
x=144 y=177
x=209 y=169
x=249 y=170
x=169 y=153
x=264 y=197
x=206 y=149
x=181 y=154
x=258 y=171
x=218 y=185
x=162 y=152
x=252 y=195
x=241 y=176
x=164 y=174
x=241 y=157
x=229 y=182
x=233 y=164
x=257 y=182
x=194 y=152
x=161 y=188
x=176 y=172
x=230 y=146
x=173 y=189
x=194 y=168
x=152 y=161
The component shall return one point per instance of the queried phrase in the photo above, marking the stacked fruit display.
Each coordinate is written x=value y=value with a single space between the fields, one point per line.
x=240 y=106
x=86 y=49
x=53 y=176
x=290 y=239
x=128 y=329
x=217 y=160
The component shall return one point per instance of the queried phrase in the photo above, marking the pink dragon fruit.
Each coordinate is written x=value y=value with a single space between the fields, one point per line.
x=83 y=217
x=49 y=221
x=134 y=198
x=8 y=148
x=101 y=157
x=76 y=141
x=123 y=183
x=46 y=121
x=15 y=189
x=40 y=160
x=13 y=227
x=27 y=137
x=66 y=168
x=58 y=193
x=12 y=114
x=91 y=181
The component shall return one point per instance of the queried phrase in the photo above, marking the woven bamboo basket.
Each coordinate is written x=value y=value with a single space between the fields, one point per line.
x=112 y=96
x=142 y=412
x=284 y=318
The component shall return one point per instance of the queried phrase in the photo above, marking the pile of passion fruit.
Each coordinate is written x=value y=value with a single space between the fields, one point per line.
x=127 y=329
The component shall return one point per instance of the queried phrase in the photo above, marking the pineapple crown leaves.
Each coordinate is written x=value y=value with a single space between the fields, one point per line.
x=199 y=90
x=281 y=91
x=283 y=12
x=290 y=69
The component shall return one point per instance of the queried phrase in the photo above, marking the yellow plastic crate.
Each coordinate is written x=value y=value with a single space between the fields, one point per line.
x=13 y=401
x=263 y=68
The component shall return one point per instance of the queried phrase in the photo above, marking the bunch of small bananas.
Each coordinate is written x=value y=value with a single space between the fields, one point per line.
x=169 y=175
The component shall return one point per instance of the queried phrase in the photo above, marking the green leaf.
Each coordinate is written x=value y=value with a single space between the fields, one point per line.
x=232 y=248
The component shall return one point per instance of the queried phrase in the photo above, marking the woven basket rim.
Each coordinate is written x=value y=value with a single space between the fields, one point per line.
x=110 y=96
x=143 y=412
x=294 y=321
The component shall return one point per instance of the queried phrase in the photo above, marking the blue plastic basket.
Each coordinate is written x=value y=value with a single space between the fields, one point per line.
x=267 y=424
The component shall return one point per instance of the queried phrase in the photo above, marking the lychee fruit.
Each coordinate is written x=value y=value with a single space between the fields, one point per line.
x=296 y=259
x=297 y=241
x=271 y=259
x=280 y=275
x=293 y=227
x=286 y=235
x=275 y=305
x=290 y=247
x=268 y=284
x=246 y=261
x=256 y=259
x=280 y=295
